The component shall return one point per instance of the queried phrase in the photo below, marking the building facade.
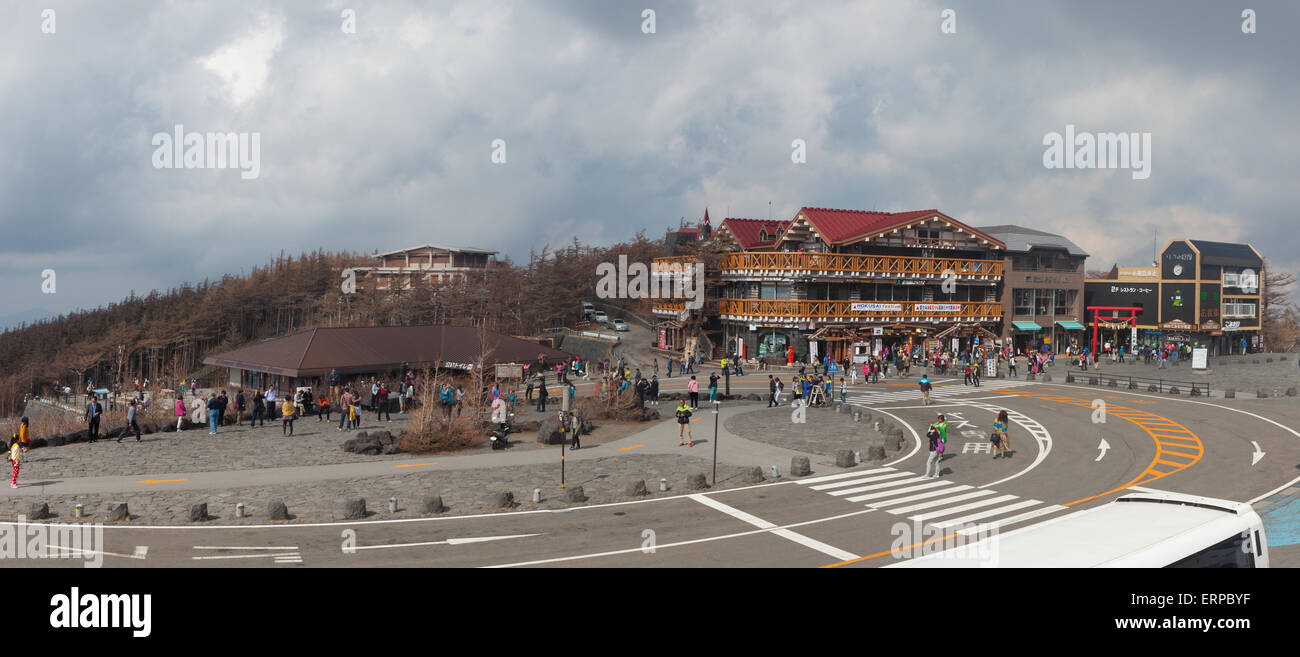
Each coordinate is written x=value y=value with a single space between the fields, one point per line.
x=1043 y=278
x=428 y=263
x=1198 y=292
x=849 y=283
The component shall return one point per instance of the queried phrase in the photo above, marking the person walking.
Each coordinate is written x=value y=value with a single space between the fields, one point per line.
x=844 y=392
x=975 y=374
x=289 y=413
x=713 y=387
x=771 y=391
x=1011 y=366
x=796 y=396
x=683 y=424
x=654 y=389
x=642 y=390
x=131 y=423
x=542 y=394
x=924 y=384
x=214 y=413
x=460 y=400
x=693 y=387
x=937 y=445
x=180 y=412
x=1001 y=443
x=241 y=403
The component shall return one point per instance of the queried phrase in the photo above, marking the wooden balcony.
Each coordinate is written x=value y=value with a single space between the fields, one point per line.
x=758 y=264
x=791 y=311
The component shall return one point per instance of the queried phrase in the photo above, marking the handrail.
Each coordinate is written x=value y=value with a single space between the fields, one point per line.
x=817 y=308
x=835 y=263
x=1135 y=382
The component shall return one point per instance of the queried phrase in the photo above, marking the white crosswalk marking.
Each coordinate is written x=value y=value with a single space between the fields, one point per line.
x=942 y=502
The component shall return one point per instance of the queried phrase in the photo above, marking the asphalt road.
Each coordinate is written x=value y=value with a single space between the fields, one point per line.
x=1202 y=447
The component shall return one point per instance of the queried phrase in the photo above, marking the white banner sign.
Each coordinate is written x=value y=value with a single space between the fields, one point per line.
x=990 y=367
x=1198 y=358
x=938 y=307
x=876 y=307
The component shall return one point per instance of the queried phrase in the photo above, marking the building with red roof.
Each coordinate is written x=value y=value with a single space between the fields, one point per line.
x=849 y=283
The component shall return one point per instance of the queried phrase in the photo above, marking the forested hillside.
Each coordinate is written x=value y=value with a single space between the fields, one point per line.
x=169 y=333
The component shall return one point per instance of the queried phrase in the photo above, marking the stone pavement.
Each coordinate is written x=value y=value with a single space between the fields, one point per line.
x=163 y=494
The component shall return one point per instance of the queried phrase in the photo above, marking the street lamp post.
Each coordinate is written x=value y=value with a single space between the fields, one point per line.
x=715 y=441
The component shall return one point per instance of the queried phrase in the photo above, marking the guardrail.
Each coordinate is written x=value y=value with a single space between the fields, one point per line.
x=1138 y=382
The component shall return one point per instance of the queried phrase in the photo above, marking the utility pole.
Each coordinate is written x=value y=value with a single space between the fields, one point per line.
x=716 y=403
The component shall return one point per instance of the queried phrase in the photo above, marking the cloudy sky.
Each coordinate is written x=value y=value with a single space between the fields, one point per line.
x=383 y=138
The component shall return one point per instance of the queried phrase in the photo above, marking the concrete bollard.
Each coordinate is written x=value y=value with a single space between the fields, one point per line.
x=697 y=482
x=355 y=509
x=663 y=485
x=844 y=458
x=1230 y=393
x=277 y=510
x=753 y=475
x=38 y=511
x=576 y=494
x=119 y=513
x=537 y=495
x=239 y=510
x=636 y=488
x=79 y=511
x=392 y=504
x=432 y=504
x=199 y=512
x=800 y=466
x=776 y=472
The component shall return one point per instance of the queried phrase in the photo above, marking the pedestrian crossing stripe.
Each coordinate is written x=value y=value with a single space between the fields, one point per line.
x=942 y=503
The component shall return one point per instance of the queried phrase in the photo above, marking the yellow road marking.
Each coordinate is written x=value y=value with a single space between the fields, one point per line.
x=624 y=449
x=1157 y=427
x=415 y=465
x=159 y=481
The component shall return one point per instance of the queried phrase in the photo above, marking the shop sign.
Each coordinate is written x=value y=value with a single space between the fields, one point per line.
x=1209 y=326
x=876 y=307
x=1231 y=326
x=1177 y=325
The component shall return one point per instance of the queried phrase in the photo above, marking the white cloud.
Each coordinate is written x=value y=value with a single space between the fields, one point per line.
x=244 y=63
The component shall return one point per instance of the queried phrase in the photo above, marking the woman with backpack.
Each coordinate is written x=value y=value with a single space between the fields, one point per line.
x=999 y=438
x=936 y=451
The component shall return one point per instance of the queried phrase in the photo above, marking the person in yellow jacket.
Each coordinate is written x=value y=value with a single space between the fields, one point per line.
x=24 y=434
x=289 y=411
x=15 y=457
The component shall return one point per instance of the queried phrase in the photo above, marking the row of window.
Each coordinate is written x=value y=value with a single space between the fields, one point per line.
x=1044 y=263
x=1032 y=302
x=876 y=292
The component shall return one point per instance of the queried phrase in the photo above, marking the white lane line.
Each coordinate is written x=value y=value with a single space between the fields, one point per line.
x=242 y=547
x=783 y=533
x=1002 y=510
x=662 y=546
x=1042 y=437
x=843 y=475
x=948 y=488
x=993 y=526
x=450 y=541
x=139 y=553
x=946 y=500
x=965 y=507
x=244 y=556
x=855 y=482
x=888 y=484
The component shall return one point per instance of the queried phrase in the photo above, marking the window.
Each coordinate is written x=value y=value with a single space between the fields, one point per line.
x=768 y=291
x=1230 y=553
x=1231 y=279
x=1023 y=299
x=1043 y=302
x=1238 y=310
x=1065 y=301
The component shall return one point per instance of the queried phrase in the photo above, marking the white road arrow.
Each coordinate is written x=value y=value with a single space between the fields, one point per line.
x=1103 y=447
x=1259 y=454
x=450 y=541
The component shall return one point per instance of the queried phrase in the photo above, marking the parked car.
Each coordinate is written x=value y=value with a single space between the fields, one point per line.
x=618 y=325
x=599 y=317
x=588 y=310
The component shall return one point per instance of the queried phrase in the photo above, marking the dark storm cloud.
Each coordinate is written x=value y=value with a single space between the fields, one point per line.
x=382 y=138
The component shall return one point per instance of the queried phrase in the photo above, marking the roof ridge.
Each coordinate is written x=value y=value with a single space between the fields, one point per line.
x=304 y=351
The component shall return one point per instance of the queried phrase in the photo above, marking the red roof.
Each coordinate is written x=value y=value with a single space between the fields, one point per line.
x=839 y=226
x=747 y=231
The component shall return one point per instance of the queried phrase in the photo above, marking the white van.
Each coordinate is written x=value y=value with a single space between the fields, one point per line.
x=1140 y=530
x=587 y=310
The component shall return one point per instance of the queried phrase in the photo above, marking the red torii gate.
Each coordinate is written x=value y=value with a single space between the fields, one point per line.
x=1096 y=318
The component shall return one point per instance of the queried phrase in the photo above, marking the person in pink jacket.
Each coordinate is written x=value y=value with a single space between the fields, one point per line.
x=694 y=388
x=180 y=412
